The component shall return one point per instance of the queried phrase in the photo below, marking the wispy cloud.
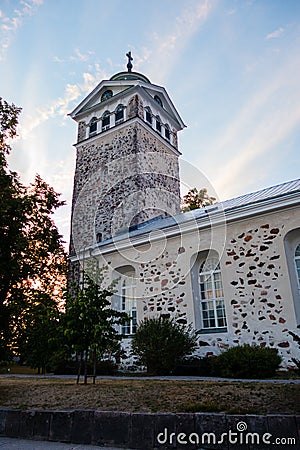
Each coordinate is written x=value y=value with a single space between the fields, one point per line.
x=10 y=23
x=60 y=106
x=263 y=123
x=31 y=126
x=78 y=56
x=167 y=49
x=275 y=34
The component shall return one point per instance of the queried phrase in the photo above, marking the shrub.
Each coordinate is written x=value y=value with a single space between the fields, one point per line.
x=161 y=343
x=247 y=361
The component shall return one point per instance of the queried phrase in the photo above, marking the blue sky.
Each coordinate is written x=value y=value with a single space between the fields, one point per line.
x=231 y=68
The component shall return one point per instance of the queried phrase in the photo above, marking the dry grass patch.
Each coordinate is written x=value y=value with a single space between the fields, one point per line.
x=150 y=395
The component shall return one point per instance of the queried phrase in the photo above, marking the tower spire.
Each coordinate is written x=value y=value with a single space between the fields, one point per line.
x=129 y=65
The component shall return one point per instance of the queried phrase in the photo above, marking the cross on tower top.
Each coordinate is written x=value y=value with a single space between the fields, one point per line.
x=129 y=65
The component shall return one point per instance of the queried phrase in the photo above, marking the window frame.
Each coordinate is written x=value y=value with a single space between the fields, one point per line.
x=129 y=304
x=297 y=264
x=291 y=244
x=211 y=277
x=167 y=132
x=148 y=115
x=119 y=110
x=106 y=117
x=158 y=124
x=93 y=123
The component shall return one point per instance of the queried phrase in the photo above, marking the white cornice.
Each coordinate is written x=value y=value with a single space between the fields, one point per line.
x=82 y=113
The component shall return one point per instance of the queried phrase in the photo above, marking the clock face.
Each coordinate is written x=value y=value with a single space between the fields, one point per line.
x=106 y=95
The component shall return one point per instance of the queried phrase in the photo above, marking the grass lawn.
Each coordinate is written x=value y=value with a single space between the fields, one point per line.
x=150 y=395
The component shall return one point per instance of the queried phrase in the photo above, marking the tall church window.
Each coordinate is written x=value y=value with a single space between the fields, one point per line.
x=297 y=263
x=93 y=126
x=167 y=132
x=119 y=114
x=106 y=121
x=213 y=314
x=148 y=115
x=292 y=250
x=158 y=124
x=128 y=303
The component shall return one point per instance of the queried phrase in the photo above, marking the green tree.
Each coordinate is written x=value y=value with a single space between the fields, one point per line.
x=8 y=126
x=12 y=220
x=195 y=199
x=161 y=343
x=42 y=335
x=32 y=257
x=90 y=324
x=42 y=270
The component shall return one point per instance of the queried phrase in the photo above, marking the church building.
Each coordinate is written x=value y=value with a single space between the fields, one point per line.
x=231 y=269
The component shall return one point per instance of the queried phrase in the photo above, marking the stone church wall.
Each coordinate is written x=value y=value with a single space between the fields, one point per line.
x=257 y=291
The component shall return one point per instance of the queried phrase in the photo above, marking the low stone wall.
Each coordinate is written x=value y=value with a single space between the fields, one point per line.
x=154 y=431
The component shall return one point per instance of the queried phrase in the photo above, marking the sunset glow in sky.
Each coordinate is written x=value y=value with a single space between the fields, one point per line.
x=231 y=67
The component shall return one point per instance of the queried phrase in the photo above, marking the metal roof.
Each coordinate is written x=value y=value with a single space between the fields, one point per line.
x=274 y=192
x=264 y=194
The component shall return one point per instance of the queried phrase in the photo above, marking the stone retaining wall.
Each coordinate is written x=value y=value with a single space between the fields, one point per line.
x=154 y=431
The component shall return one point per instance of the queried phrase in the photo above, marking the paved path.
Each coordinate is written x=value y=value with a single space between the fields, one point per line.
x=21 y=444
x=170 y=378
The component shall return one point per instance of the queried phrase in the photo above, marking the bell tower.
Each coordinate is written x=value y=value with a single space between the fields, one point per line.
x=127 y=169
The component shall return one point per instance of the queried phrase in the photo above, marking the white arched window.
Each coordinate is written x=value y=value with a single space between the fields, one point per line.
x=106 y=121
x=292 y=250
x=93 y=126
x=128 y=303
x=297 y=264
x=167 y=132
x=119 y=114
x=213 y=314
x=148 y=115
x=158 y=124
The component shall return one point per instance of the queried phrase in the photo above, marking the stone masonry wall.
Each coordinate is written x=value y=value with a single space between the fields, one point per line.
x=257 y=294
x=121 y=180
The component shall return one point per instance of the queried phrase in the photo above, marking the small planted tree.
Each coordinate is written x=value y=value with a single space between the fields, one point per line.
x=161 y=343
x=90 y=324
